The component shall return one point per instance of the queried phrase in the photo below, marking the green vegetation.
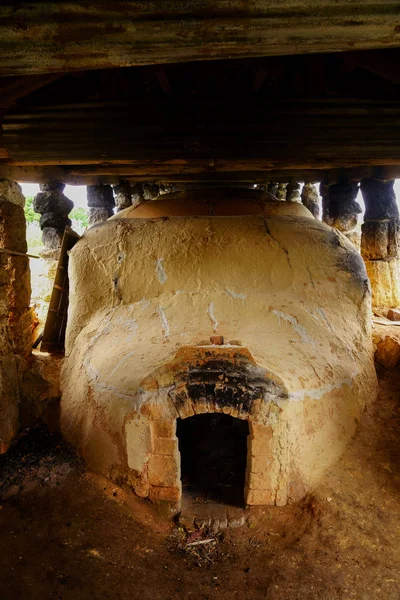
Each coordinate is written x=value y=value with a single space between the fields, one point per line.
x=80 y=216
x=30 y=215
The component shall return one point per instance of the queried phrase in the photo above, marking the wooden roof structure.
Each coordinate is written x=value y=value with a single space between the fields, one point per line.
x=199 y=91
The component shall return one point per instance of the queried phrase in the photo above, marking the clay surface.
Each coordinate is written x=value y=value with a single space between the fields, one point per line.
x=289 y=295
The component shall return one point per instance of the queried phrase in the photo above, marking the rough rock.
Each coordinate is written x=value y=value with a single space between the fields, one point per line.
x=150 y=191
x=380 y=239
x=380 y=199
x=281 y=191
x=293 y=192
x=355 y=238
x=54 y=221
x=310 y=199
x=97 y=215
x=123 y=195
x=100 y=196
x=52 y=185
x=15 y=314
x=10 y=191
x=53 y=201
x=387 y=345
x=340 y=209
x=52 y=238
x=384 y=276
x=137 y=194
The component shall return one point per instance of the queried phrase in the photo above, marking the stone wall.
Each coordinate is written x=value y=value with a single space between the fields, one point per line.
x=380 y=241
x=15 y=314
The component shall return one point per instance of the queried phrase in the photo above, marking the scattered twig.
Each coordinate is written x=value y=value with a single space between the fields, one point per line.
x=200 y=542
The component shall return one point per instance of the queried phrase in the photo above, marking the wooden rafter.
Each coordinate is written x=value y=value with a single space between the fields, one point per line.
x=49 y=37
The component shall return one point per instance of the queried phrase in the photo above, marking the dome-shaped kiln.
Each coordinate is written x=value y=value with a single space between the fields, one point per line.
x=151 y=286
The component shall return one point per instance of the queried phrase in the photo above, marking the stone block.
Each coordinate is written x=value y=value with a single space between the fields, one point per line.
x=258 y=464
x=50 y=219
x=123 y=195
x=260 y=497
x=380 y=199
x=150 y=191
x=164 y=470
x=379 y=239
x=165 y=446
x=10 y=191
x=163 y=428
x=52 y=237
x=259 y=446
x=52 y=185
x=97 y=215
x=387 y=352
x=53 y=201
x=258 y=481
x=384 y=276
x=186 y=411
x=100 y=196
x=165 y=494
x=12 y=227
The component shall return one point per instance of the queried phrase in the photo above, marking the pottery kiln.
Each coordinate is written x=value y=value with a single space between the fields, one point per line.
x=151 y=286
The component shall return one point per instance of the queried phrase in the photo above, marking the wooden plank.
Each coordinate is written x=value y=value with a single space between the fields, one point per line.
x=226 y=172
x=56 y=321
x=50 y=37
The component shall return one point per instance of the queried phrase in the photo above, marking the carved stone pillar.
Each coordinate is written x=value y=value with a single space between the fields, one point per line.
x=123 y=195
x=54 y=207
x=281 y=191
x=293 y=192
x=310 y=199
x=101 y=202
x=340 y=208
x=380 y=241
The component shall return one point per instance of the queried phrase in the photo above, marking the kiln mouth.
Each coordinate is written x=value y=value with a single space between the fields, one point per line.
x=213 y=451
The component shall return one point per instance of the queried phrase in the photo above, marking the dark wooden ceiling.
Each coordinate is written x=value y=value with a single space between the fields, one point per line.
x=303 y=117
x=49 y=37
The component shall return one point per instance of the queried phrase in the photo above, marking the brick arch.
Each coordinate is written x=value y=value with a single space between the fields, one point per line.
x=224 y=380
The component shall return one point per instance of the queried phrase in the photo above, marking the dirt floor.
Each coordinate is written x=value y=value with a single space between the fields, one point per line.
x=71 y=535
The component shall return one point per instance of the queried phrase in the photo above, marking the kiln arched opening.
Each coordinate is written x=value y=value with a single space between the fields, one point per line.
x=213 y=449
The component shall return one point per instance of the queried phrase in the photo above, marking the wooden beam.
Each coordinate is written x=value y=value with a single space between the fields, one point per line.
x=98 y=175
x=49 y=37
x=312 y=134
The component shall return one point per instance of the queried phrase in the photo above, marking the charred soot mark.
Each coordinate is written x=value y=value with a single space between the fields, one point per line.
x=225 y=395
x=228 y=384
x=353 y=264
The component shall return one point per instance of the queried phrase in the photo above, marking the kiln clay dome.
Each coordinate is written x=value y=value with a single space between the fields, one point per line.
x=289 y=295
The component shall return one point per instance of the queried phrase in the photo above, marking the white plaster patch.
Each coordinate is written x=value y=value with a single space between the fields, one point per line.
x=130 y=326
x=160 y=271
x=164 y=321
x=144 y=303
x=316 y=394
x=299 y=329
x=235 y=295
x=121 y=362
x=211 y=314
